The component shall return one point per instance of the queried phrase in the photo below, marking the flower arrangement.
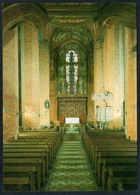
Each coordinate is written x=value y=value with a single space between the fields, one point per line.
x=83 y=119
x=62 y=120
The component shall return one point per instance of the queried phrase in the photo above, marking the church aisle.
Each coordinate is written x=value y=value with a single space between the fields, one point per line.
x=71 y=171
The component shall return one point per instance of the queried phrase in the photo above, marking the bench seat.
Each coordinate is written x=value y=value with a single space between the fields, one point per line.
x=19 y=184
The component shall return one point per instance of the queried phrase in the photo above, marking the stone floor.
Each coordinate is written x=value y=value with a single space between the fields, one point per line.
x=71 y=171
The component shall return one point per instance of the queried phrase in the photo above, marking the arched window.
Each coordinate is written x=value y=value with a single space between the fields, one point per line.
x=71 y=72
x=75 y=58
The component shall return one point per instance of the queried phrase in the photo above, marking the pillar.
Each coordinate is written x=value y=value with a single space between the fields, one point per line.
x=90 y=105
x=108 y=67
x=10 y=84
x=130 y=84
x=44 y=71
x=53 y=90
x=118 y=75
x=98 y=72
x=114 y=72
x=30 y=76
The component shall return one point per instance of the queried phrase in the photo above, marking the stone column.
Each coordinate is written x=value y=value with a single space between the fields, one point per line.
x=47 y=58
x=118 y=74
x=53 y=91
x=30 y=78
x=108 y=67
x=90 y=105
x=114 y=72
x=10 y=84
x=98 y=72
x=122 y=72
x=130 y=84
x=44 y=70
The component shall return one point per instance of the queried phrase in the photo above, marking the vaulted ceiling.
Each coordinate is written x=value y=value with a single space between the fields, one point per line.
x=77 y=23
x=81 y=23
x=67 y=14
x=70 y=14
x=70 y=23
x=62 y=36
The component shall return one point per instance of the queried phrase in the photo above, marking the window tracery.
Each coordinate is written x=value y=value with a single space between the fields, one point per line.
x=71 y=71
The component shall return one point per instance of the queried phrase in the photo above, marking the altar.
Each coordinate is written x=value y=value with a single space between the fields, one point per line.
x=72 y=124
x=72 y=121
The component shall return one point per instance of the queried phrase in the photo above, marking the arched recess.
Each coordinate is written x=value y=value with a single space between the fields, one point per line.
x=69 y=41
x=122 y=12
x=81 y=62
x=62 y=40
x=18 y=12
x=72 y=81
x=63 y=36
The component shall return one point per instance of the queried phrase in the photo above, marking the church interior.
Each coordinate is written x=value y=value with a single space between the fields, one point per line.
x=69 y=96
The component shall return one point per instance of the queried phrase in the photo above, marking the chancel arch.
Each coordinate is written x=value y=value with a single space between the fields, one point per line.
x=71 y=80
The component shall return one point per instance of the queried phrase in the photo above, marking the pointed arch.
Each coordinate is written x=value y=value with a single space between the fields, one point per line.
x=122 y=12
x=21 y=12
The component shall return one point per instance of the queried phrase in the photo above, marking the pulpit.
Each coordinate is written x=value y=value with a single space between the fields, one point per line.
x=104 y=115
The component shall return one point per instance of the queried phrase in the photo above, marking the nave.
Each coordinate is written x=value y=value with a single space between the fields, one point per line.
x=69 y=65
x=57 y=160
x=71 y=171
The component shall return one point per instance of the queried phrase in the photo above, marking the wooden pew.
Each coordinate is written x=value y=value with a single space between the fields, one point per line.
x=111 y=142
x=105 y=141
x=29 y=150
x=51 y=141
x=116 y=154
x=23 y=171
x=28 y=156
x=118 y=162
x=104 y=137
x=109 y=145
x=97 y=147
x=19 y=184
x=38 y=141
x=127 y=179
x=14 y=162
x=40 y=132
x=112 y=148
x=97 y=131
x=32 y=145
x=128 y=184
x=56 y=137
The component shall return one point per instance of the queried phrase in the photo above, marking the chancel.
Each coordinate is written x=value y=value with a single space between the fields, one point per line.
x=69 y=97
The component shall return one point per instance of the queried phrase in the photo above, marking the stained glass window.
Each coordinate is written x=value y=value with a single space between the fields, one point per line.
x=71 y=72
x=75 y=58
